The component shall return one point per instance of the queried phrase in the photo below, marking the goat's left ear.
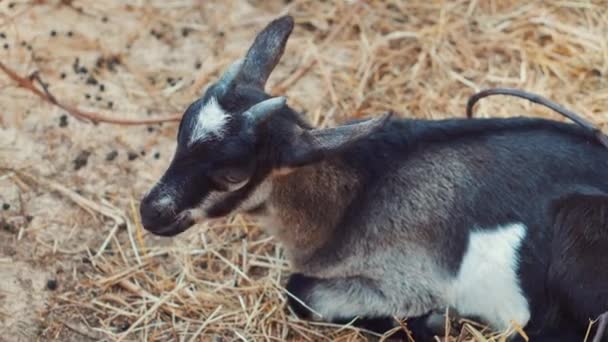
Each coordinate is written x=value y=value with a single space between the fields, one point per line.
x=311 y=146
x=265 y=52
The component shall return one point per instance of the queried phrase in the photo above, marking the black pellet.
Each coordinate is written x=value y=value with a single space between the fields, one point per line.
x=63 y=120
x=111 y=155
x=81 y=159
x=52 y=285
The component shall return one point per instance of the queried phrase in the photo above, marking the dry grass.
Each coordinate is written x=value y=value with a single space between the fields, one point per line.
x=72 y=216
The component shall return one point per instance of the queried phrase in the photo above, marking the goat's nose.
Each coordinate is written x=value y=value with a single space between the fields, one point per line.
x=152 y=214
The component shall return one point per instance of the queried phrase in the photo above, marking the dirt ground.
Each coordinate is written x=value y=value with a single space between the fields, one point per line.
x=75 y=264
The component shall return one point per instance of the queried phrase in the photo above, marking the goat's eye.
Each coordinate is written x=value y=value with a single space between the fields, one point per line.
x=233 y=178
x=229 y=179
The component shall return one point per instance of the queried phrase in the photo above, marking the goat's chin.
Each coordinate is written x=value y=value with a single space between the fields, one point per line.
x=181 y=223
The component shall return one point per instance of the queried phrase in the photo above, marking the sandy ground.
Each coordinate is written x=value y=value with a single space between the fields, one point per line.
x=67 y=185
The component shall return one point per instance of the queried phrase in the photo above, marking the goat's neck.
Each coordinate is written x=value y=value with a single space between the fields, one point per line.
x=306 y=206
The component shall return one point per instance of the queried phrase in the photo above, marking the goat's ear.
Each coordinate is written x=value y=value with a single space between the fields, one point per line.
x=265 y=52
x=311 y=146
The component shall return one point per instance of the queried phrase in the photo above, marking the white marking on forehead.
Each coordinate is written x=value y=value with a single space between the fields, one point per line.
x=211 y=120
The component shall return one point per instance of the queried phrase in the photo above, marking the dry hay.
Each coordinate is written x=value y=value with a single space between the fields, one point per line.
x=72 y=215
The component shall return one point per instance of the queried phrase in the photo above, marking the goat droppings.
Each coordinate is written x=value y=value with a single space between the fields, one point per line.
x=6 y=206
x=81 y=159
x=51 y=284
x=111 y=155
x=132 y=156
x=91 y=80
x=63 y=120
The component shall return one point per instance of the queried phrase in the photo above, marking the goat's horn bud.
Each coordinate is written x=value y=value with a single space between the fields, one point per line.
x=260 y=112
x=229 y=76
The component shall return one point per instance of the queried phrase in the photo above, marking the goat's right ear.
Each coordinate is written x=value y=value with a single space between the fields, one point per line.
x=311 y=146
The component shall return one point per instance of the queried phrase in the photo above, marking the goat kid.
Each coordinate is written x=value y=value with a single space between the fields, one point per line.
x=505 y=220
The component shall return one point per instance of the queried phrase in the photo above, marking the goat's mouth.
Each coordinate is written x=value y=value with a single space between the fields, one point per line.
x=181 y=223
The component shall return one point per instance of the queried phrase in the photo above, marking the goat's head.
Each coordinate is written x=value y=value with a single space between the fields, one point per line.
x=231 y=139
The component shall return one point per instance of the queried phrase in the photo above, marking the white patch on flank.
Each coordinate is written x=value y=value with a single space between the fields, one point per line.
x=212 y=120
x=487 y=284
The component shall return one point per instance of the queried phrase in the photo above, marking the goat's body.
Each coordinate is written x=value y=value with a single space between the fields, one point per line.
x=399 y=218
x=428 y=214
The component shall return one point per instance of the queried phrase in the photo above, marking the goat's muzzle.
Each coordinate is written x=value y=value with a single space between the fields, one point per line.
x=160 y=219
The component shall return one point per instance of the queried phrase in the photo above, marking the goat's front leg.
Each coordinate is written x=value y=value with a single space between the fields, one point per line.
x=335 y=299
x=340 y=300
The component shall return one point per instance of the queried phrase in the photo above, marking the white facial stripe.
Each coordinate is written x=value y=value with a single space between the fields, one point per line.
x=487 y=284
x=256 y=198
x=211 y=120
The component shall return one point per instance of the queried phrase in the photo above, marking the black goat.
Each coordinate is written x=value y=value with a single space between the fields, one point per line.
x=501 y=219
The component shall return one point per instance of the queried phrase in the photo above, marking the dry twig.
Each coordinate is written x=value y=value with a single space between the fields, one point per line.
x=28 y=84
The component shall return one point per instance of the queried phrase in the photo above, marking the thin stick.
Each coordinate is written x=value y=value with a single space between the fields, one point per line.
x=28 y=84
x=81 y=331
